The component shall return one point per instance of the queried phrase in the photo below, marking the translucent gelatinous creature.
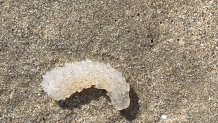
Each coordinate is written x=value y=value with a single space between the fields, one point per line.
x=62 y=82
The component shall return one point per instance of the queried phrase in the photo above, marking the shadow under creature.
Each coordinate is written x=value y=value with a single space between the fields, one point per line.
x=78 y=99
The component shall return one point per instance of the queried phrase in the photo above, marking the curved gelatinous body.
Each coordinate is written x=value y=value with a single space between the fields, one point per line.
x=62 y=82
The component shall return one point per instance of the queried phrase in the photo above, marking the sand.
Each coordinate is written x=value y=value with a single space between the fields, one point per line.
x=167 y=50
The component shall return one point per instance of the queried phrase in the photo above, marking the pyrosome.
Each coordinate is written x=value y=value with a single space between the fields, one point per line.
x=61 y=82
